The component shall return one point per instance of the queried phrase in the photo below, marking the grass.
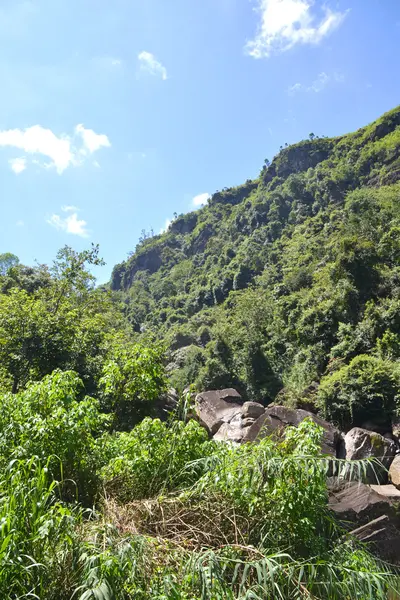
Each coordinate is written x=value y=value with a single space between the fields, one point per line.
x=205 y=521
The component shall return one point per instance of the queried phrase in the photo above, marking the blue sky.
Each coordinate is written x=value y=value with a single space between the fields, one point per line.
x=114 y=115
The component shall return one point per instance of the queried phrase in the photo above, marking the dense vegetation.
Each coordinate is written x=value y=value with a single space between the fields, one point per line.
x=177 y=516
x=284 y=281
x=286 y=287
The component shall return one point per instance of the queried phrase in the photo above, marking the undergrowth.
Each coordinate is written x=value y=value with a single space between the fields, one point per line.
x=180 y=517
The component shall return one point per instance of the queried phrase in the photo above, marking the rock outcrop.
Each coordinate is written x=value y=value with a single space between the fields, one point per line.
x=370 y=513
x=224 y=414
x=361 y=443
x=276 y=418
x=216 y=407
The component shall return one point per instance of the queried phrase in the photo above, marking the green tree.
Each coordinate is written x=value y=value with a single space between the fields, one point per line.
x=7 y=261
x=64 y=325
x=54 y=421
x=367 y=389
x=132 y=380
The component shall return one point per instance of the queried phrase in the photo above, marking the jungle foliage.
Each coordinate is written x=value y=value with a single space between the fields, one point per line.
x=177 y=516
x=286 y=287
x=279 y=282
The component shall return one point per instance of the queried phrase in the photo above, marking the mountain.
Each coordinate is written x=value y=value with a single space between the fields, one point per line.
x=287 y=284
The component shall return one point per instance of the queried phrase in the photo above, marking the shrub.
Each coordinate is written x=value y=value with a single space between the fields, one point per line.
x=366 y=389
x=53 y=421
x=153 y=457
x=132 y=380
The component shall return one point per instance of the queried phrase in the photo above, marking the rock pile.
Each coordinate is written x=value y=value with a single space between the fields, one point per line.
x=369 y=510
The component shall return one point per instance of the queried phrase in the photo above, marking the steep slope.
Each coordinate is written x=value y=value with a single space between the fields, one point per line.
x=279 y=279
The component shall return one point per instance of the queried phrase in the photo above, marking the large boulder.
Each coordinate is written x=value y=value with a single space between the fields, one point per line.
x=231 y=432
x=252 y=410
x=262 y=427
x=394 y=471
x=216 y=407
x=361 y=443
x=370 y=513
x=276 y=418
x=359 y=503
x=375 y=531
x=388 y=491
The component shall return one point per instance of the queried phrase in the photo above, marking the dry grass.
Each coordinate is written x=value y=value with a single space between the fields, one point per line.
x=194 y=525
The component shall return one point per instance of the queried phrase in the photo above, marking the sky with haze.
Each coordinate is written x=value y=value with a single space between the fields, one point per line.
x=114 y=115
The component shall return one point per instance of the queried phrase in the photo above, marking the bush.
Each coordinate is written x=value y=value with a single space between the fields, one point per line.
x=131 y=381
x=278 y=489
x=53 y=421
x=368 y=389
x=252 y=524
x=153 y=457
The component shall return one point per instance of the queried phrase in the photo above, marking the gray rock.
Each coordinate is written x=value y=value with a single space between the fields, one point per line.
x=216 y=407
x=374 y=530
x=394 y=471
x=382 y=536
x=388 y=491
x=358 y=503
x=263 y=427
x=277 y=418
x=173 y=395
x=229 y=432
x=361 y=443
x=248 y=422
x=252 y=410
x=370 y=513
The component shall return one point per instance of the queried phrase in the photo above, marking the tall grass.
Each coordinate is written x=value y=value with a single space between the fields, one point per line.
x=182 y=518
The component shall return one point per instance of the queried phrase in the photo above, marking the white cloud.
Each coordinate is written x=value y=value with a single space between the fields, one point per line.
x=91 y=140
x=149 y=64
x=63 y=151
x=285 y=23
x=20 y=223
x=17 y=165
x=200 y=199
x=297 y=87
x=38 y=140
x=70 y=224
x=318 y=84
x=166 y=226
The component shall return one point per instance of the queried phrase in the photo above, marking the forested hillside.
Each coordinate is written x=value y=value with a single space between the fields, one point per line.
x=113 y=486
x=286 y=281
